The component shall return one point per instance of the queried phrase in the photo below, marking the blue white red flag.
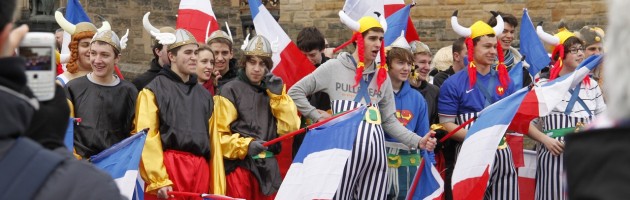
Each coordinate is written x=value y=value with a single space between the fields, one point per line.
x=391 y=6
x=475 y=159
x=318 y=166
x=396 y=23
x=121 y=161
x=428 y=183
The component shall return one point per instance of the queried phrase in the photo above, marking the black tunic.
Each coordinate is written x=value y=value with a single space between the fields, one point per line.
x=254 y=120
x=106 y=114
x=184 y=111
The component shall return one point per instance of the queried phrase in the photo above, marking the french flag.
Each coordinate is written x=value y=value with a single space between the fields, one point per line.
x=121 y=161
x=396 y=23
x=318 y=166
x=289 y=62
x=427 y=184
x=541 y=100
x=390 y=7
x=194 y=15
x=476 y=157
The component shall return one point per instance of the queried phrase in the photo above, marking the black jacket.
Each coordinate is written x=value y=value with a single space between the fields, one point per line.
x=72 y=179
x=147 y=76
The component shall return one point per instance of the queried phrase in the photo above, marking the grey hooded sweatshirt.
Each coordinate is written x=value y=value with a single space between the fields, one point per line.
x=336 y=78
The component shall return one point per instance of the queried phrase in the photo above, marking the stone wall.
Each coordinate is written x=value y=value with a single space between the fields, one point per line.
x=430 y=17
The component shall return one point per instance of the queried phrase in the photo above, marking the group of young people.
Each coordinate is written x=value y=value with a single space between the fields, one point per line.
x=209 y=114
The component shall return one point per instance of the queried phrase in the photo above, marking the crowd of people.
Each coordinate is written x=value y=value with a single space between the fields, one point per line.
x=209 y=112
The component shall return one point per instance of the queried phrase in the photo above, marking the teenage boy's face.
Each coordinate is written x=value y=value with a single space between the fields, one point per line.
x=485 y=51
x=423 y=61
x=399 y=70
x=593 y=49
x=315 y=56
x=185 y=61
x=372 y=41
x=255 y=70
x=507 y=36
x=103 y=59
x=222 y=54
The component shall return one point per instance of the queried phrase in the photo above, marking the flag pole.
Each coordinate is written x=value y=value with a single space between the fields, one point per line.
x=416 y=179
x=303 y=130
x=457 y=129
x=201 y=195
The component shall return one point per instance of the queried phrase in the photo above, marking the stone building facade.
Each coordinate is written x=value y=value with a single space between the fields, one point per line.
x=431 y=18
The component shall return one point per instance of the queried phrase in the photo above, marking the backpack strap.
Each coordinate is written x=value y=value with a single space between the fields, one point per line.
x=25 y=168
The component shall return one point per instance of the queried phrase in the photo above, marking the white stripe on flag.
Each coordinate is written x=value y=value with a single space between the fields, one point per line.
x=127 y=183
x=267 y=26
x=317 y=178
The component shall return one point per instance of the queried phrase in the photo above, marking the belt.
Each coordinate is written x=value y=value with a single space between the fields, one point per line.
x=556 y=133
x=396 y=161
x=264 y=154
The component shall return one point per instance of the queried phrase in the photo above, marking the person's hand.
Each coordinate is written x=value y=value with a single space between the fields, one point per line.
x=274 y=83
x=162 y=193
x=323 y=115
x=255 y=147
x=554 y=146
x=217 y=76
x=428 y=142
x=15 y=38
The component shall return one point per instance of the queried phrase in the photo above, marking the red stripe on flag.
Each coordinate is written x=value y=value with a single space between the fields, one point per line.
x=196 y=22
x=293 y=65
x=527 y=111
x=472 y=188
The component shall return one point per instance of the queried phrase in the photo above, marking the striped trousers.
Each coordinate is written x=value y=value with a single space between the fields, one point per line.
x=503 y=183
x=549 y=173
x=365 y=173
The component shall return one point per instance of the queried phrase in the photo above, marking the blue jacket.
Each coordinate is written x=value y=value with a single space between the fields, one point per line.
x=411 y=111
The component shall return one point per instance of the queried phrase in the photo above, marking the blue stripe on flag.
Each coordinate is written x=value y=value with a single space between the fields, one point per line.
x=516 y=74
x=75 y=12
x=396 y=23
x=121 y=157
x=68 y=139
x=531 y=46
x=254 y=6
x=339 y=133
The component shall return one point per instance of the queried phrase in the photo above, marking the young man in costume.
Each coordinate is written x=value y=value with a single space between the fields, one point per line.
x=249 y=110
x=466 y=93
x=79 y=62
x=365 y=173
x=580 y=105
x=104 y=103
x=411 y=111
x=177 y=110
x=160 y=55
